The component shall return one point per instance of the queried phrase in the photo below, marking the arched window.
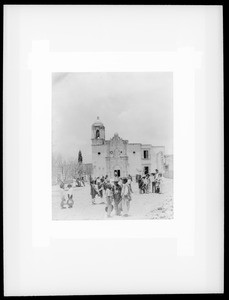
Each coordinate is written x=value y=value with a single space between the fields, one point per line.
x=97 y=135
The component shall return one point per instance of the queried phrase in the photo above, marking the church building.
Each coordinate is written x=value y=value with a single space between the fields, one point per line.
x=118 y=155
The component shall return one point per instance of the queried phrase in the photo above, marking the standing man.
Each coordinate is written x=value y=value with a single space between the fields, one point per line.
x=101 y=188
x=82 y=180
x=152 y=179
x=140 y=183
x=126 y=197
x=147 y=183
x=109 y=199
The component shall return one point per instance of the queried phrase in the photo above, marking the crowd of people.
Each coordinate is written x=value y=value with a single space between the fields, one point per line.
x=78 y=182
x=117 y=191
x=150 y=183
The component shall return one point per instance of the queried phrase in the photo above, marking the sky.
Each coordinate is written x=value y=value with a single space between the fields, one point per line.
x=138 y=106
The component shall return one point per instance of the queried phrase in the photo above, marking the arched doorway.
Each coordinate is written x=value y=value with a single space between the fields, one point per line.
x=117 y=171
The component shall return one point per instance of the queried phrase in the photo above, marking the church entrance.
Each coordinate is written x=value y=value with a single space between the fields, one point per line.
x=117 y=172
x=146 y=170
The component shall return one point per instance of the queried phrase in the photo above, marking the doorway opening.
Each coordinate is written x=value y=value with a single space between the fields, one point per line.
x=117 y=172
x=146 y=170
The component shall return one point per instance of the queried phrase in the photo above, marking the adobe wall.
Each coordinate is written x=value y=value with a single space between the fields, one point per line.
x=99 y=160
x=134 y=159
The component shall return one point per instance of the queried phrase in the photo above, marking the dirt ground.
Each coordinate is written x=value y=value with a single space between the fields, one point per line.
x=142 y=206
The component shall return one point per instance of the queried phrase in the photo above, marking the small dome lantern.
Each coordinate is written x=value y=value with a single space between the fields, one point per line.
x=98 y=132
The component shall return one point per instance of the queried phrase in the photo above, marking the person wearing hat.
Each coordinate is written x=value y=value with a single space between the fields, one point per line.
x=117 y=189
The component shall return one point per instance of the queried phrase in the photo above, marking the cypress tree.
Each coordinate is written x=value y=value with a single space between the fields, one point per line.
x=80 y=158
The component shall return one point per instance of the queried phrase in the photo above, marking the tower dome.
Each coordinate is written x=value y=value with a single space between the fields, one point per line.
x=97 y=122
x=98 y=132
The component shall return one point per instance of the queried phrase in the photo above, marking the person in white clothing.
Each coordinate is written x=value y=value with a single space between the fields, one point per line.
x=70 y=200
x=109 y=199
x=129 y=182
x=74 y=183
x=161 y=183
x=126 y=197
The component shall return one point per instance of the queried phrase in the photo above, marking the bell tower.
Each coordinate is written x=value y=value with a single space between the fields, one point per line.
x=97 y=133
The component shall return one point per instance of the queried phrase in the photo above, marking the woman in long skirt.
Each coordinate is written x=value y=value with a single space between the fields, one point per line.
x=161 y=183
x=109 y=199
x=94 y=191
x=117 y=198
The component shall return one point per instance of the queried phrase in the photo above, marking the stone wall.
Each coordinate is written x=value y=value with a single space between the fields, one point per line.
x=134 y=159
x=99 y=160
x=118 y=154
x=168 y=166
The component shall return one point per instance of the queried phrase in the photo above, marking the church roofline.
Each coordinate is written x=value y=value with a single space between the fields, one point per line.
x=146 y=145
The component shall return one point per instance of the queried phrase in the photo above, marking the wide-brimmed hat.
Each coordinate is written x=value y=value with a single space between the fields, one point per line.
x=124 y=180
x=111 y=208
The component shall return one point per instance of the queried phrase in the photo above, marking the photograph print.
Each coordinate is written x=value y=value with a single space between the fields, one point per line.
x=112 y=146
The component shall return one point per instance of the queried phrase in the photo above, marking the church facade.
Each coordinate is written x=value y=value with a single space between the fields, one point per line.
x=118 y=155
